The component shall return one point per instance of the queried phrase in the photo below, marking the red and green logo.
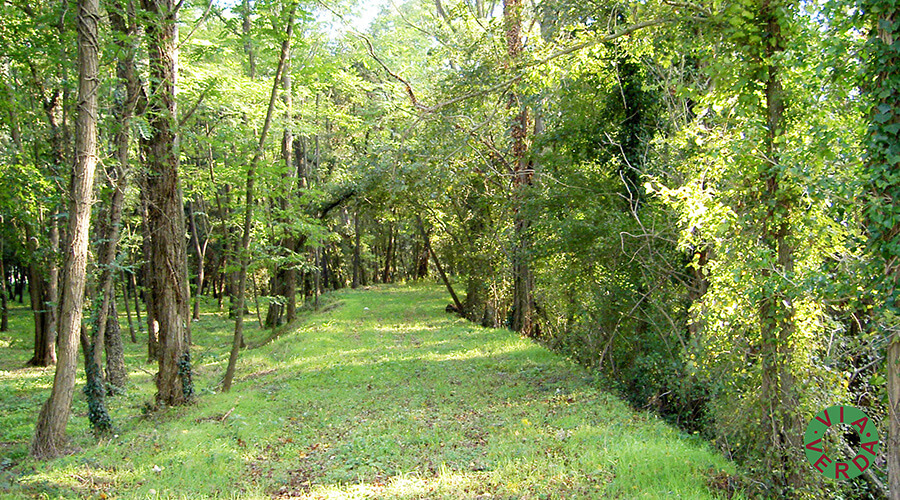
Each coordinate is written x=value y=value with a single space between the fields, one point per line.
x=840 y=454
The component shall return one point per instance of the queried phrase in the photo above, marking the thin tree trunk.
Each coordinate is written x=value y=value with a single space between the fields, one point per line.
x=317 y=279
x=437 y=264
x=356 y=249
x=248 y=213
x=110 y=221
x=49 y=437
x=4 y=305
x=132 y=283
x=128 y=310
x=201 y=258
x=778 y=389
x=256 y=300
x=389 y=254
x=168 y=254
x=283 y=282
x=44 y=339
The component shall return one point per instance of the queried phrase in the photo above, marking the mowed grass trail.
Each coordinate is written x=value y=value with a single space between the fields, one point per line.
x=382 y=395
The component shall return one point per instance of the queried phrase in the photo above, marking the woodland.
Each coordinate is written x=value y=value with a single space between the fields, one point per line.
x=691 y=201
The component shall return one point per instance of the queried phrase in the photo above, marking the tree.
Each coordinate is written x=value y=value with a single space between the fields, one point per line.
x=248 y=214
x=882 y=211
x=524 y=319
x=168 y=280
x=49 y=436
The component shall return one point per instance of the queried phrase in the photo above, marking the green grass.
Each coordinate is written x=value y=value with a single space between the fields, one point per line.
x=382 y=396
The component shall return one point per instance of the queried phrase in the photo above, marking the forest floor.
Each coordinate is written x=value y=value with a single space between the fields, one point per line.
x=380 y=394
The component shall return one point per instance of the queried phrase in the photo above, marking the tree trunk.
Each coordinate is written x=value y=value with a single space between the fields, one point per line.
x=893 y=440
x=109 y=225
x=168 y=254
x=116 y=373
x=146 y=278
x=523 y=320
x=248 y=39
x=19 y=290
x=778 y=392
x=128 y=310
x=437 y=264
x=49 y=437
x=356 y=250
x=388 y=254
x=248 y=213
x=44 y=338
x=882 y=209
x=283 y=283
x=132 y=283
x=4 y=305
x=201 y=259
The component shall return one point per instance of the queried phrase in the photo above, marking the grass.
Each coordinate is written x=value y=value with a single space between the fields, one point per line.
x=381 y=396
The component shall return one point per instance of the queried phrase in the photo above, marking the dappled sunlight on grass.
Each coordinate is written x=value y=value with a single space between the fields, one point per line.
x=446 y=483
x=400 y=401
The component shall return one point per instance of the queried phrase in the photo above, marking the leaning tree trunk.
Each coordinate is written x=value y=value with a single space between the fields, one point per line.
x=49 y=436
x=110 y=221
x=165 y=211
x=248 y=214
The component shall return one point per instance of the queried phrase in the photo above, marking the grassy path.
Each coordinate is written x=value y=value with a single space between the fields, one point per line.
x=383 y=396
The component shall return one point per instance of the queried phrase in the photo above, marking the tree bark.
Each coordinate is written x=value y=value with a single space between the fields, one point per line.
x=893 y=440
x=523 y=320
x=109 y=225
x=248 y=213
x=165 y=210
x=49 y=437
x=116 y=373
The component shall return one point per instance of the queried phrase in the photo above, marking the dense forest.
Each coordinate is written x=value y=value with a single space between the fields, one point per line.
x=694 y=200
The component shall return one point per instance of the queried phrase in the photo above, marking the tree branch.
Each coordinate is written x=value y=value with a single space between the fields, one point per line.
x=515 y=79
